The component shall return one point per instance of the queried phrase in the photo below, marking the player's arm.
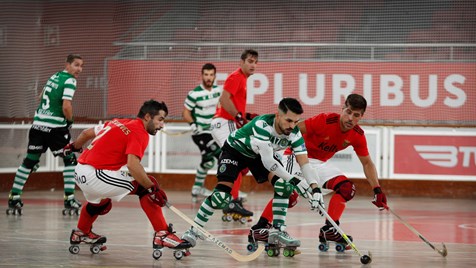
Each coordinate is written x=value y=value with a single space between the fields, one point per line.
x=370 y=170
x=68 y=110
x=227 y=103
x=308 y=172
x=187 y=116
x=137 y=171
x=302 y=127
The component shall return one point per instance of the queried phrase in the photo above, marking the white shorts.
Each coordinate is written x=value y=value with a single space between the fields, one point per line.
x=98 y=184
x=221 y=129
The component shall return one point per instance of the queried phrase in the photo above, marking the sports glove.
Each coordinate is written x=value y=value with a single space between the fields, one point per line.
x=240 y=121
x=380 y=200
x=250 y=116
x=317 y=200
x=156 y=194
x=69 y=149
x=69 y=124
x=300 y=186
x=194 y=128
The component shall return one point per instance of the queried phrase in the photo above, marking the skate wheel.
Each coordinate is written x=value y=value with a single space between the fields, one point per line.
x=223 y=218
x=71 y=212
x=178 y=254
x=243 y=220
x=340 y=248
x=95 y=249
x=251 y=247
x=288 y=253
x=156 y=254
x=7 y=211
x=270 y=252
x=74 y=249
x=20 y=211
x=323 y=247
x=64 y=212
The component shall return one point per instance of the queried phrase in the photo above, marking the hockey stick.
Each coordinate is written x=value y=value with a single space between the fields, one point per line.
x=219 y=243
x=443 y=252
x=365 y=259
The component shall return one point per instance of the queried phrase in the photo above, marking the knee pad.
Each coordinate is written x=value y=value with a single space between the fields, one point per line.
x=283 y=188
x=99 y=209
x=70 y=160
x=219 y=199
x=293 y=199
x=30 y=163
x=346 y=189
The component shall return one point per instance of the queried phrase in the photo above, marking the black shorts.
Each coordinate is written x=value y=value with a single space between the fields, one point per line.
x=204 y=139
x=42 y=138
x=232 y=162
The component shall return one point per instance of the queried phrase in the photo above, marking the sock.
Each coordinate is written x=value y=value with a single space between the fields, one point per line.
x=20 y=179
x=280 y=209
x=69 y=183
x=262 y=223
x=336 y=207
x=205 y=212
x=268 y=211
x=236 y=187
x=200 y=177
x=85 y=221
x=154 y=213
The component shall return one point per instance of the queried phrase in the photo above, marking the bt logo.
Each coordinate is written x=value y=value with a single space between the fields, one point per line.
x=447 y=156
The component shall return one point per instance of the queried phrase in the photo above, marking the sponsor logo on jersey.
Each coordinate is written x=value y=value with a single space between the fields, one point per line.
x=229 y=161
x=327 y=147
x=33 y=147
x=345 y=143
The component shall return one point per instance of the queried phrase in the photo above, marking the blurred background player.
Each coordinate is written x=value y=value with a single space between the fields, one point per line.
x=326 y=134
x=114 y=144
x=200 y=106
x=51 y=129
x=231 y=115
x=253 y=146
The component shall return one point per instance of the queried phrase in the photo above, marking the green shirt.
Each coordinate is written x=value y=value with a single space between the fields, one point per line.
x=262 y=128
x=60 y=86
x=203 y=104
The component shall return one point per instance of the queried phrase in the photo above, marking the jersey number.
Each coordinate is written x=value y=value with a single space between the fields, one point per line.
x=100 y=134
x=46 y=104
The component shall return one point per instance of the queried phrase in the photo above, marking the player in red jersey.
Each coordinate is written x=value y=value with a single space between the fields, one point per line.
x=325 y=134
x=118 y=143
x=230 y=115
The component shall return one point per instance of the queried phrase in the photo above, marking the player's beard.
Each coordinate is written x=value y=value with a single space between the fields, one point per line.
x=208 y=83
x=151 y=128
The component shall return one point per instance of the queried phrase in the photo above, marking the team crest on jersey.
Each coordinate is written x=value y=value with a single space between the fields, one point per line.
x=283 y=143
x=222 y=168
x=345 y=143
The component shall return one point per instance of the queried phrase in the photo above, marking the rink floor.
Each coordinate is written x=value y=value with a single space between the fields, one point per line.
x=39 y=238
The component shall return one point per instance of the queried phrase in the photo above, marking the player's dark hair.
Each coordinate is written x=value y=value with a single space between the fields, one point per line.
x=71 y=57
x=290 y=104
x=356 y=101
x=249 y=52
x=152 y=107
x=209 y=66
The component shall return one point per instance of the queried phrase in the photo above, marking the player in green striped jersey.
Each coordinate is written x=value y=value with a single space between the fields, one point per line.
x=254 y=146
x=51 y=129
x=200 y=106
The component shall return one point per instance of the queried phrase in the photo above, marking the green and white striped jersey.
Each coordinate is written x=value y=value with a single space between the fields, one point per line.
x=60 y=86
x=203 y=104
x=262 y=128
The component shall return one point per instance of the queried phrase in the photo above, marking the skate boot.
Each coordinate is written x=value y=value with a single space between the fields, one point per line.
x=258 y=235
x=71 y=205
x=192 y=235
x=96 y=241
x=279 y=238
x=330 y=234
x=14 y=204
x=167 y=238
x=199 y=193
x=235 y=211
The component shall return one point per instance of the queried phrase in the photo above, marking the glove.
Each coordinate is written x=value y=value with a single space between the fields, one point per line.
x=300 y=186
x=194 y=128
x=69 y=149
x=240 y=121
x=380 y=200
x=69 y=124
x=250 y=116
x=156 y=195
x=317 y=200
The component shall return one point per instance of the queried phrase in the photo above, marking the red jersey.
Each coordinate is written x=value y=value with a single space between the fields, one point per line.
x=324 y=137
x=235 y=84
x=114 y=142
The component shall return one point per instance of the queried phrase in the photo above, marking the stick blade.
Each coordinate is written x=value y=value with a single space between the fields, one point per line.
x=444 y=251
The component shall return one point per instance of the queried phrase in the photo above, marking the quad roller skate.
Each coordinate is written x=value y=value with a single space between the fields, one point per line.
x=256 y=236
x=167 y=238
x=329 y=234
x=199 y=193
x=279 y=238
x=95 y=241
x=14 y=205
x=235 y=211
x=71 y=205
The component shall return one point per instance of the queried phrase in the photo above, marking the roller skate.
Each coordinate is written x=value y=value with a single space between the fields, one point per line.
x=71 y=205
x=199 y=193
x=14 y=204
x=192 y=235
x=258 y=235
x=329 y=234
x=167 y=238
x=235 y=211
x=94 y=240
x=278 y=238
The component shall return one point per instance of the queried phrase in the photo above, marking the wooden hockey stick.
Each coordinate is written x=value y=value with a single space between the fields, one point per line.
x=219 y=243
x=443 y=252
